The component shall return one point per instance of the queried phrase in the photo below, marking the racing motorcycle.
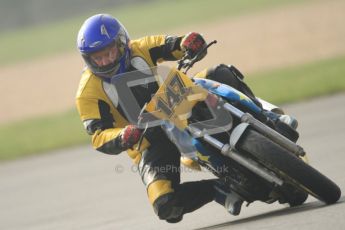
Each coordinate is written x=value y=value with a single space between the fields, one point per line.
x=246 y=145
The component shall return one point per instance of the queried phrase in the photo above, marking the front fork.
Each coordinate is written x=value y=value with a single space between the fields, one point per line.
x=230 y=151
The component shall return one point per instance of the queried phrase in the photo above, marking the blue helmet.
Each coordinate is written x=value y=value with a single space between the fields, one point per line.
x=100 y=32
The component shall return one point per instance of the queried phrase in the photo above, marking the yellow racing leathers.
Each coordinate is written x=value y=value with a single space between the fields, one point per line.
x=98 y=105
x=158 y=158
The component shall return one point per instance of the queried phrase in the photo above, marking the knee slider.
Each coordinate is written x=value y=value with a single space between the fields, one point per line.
x=165 y=207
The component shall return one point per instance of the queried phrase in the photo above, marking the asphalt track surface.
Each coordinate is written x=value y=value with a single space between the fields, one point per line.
x=81 y=189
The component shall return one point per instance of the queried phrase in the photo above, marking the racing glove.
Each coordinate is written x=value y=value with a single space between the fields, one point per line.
x=129 y=136
x=192 y=44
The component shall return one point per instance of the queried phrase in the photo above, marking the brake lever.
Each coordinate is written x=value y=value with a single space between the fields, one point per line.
x=182 y=62
x=140 y=118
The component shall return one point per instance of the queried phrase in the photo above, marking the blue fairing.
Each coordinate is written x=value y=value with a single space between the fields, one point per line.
x=214 y=159
x=229 y=93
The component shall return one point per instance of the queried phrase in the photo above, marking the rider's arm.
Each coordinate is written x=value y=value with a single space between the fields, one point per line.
x=100 y=118
x=99 y=122
x=159 y=48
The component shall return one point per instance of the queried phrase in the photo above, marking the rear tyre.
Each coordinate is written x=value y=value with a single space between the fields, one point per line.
x=292 y=196
x=298 y=199
x=289 y=167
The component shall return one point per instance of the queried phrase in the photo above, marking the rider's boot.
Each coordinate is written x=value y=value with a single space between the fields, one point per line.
x=229 y=199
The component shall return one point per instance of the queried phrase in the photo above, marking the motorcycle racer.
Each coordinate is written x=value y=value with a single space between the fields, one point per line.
x=108 y=51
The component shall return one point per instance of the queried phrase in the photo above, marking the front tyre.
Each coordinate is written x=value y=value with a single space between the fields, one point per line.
x=289 y=167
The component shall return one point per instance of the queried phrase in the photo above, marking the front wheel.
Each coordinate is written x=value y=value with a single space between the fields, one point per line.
x=289 y=167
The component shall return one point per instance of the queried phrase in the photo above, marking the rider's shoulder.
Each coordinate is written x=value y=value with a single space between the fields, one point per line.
x=88 y=79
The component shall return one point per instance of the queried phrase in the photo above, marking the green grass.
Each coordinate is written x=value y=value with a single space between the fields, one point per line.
x=41 y=134
x=139 y=19
x=278 y=86
x=300 y=83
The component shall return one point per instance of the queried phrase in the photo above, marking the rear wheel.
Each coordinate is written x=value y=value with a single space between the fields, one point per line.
x=289 y=167
x=293 y=196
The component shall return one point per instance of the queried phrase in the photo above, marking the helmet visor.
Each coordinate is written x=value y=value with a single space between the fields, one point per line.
x=106 y=61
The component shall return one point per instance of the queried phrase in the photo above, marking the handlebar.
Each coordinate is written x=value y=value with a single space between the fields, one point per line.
x=187 y=63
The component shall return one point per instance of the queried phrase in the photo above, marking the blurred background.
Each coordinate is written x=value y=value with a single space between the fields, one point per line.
x=288 y=51
x=17 y=14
